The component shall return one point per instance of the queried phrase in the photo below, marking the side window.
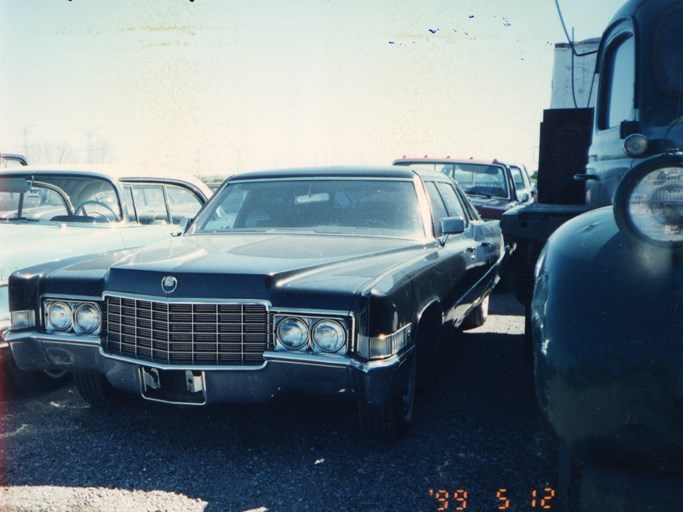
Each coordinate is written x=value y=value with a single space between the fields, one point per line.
x=450 y=197
x=181 y=203
x=438 y=207
x=617 y=82
x=150 y=203
x=129 y=203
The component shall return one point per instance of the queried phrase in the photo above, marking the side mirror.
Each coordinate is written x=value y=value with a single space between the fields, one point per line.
x=452 y=225
x=183 y=224
x=524 y=197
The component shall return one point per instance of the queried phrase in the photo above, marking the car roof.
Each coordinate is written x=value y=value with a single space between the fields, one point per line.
x=448 y=160
x=112 y=172
x=386 y=171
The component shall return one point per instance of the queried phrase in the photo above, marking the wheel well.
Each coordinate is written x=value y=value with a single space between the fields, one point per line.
x=429 y=325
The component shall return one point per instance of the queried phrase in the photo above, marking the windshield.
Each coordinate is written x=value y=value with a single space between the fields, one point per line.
x=475 y=179
x=332 y=205
x=64 y=198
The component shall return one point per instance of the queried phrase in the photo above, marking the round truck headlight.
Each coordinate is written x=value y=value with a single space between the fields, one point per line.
x=649 y=201
x=292 y=333
x=87 y=318
x=329 y=336
x=59 y=316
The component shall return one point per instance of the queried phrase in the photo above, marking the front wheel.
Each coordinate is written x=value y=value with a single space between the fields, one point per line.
x=390 y=420
x=36 y=380
x=95 y=390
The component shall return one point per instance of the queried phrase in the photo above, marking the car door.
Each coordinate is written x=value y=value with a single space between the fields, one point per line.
x=481 y=242
x=156 y=209
x=455 y=262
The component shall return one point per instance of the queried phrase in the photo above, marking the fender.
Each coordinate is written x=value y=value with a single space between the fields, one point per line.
x=606 y=319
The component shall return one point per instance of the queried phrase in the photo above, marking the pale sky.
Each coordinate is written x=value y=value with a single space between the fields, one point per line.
x=220 y=86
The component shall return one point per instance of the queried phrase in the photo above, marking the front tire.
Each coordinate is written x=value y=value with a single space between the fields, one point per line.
x=390 y=420
x=36 y=380
x=95 y=390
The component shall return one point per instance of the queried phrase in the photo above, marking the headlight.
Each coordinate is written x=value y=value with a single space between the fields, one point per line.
x=292 y=332
x=649 y=201
x=87 y=318
x=329 y=336
x=59 y=316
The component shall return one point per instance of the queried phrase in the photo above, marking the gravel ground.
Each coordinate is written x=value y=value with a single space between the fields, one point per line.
x=477 y=431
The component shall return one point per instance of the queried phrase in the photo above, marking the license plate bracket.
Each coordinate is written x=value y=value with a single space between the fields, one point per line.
x=173 y=386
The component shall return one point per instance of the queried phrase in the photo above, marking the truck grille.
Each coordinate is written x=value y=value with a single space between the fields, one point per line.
x=186 y=334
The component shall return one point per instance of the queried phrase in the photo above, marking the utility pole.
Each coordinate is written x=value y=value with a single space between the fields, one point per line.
x=89 y=148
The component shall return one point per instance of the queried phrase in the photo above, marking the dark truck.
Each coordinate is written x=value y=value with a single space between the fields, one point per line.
x=605 y=306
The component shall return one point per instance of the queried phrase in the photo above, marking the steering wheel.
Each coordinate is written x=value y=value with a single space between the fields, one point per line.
x=81 y=209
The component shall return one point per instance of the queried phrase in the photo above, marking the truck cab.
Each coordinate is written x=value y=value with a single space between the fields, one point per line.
x=630 y=110
x=605 y=314
x=639 y=82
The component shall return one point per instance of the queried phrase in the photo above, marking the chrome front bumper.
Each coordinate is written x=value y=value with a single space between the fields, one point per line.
x=280 y=375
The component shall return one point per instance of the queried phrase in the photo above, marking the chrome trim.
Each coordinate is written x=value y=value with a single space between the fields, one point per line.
x=185 y=300
x=185 y=331
x=70 y=298
x=308 y=359
x=70 y=339
x=320 y=314
x=161 y=366
x=339 y=361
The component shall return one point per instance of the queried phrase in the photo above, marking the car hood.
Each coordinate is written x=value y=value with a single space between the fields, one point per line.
x=263 y=266
x=25 y=244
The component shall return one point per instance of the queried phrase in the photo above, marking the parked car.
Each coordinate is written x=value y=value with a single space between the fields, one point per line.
x=51 y=213
x=493 y=187
x=329 y=281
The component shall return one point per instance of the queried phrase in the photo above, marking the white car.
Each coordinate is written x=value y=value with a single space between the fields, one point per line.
x=56 y=212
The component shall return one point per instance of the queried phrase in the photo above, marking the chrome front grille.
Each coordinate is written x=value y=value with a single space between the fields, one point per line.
x=210 y=334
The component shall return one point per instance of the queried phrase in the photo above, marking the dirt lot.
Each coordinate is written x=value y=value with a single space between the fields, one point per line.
x=478 y=443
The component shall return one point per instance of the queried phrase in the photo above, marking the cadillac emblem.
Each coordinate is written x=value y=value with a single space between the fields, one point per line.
x=169 y=284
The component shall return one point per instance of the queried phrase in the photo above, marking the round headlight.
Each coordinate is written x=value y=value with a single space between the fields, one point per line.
x=87 y=318
x=649 y=201
x=329 y=336
x=635 y=145
x=292 y=332
x=59 y=316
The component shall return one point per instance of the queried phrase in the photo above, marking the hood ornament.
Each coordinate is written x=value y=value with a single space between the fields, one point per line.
x=169 y=284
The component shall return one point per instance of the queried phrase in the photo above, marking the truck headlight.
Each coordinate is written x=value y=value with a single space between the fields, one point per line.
x=59 y=316
x=329 y=336
x=649 y=201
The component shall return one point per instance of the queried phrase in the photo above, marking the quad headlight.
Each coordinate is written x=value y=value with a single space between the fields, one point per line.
x=329 y=336
x=59 y=316
x=72 y=317
x=309 y=333
x=649 y=201
x=292 y=332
